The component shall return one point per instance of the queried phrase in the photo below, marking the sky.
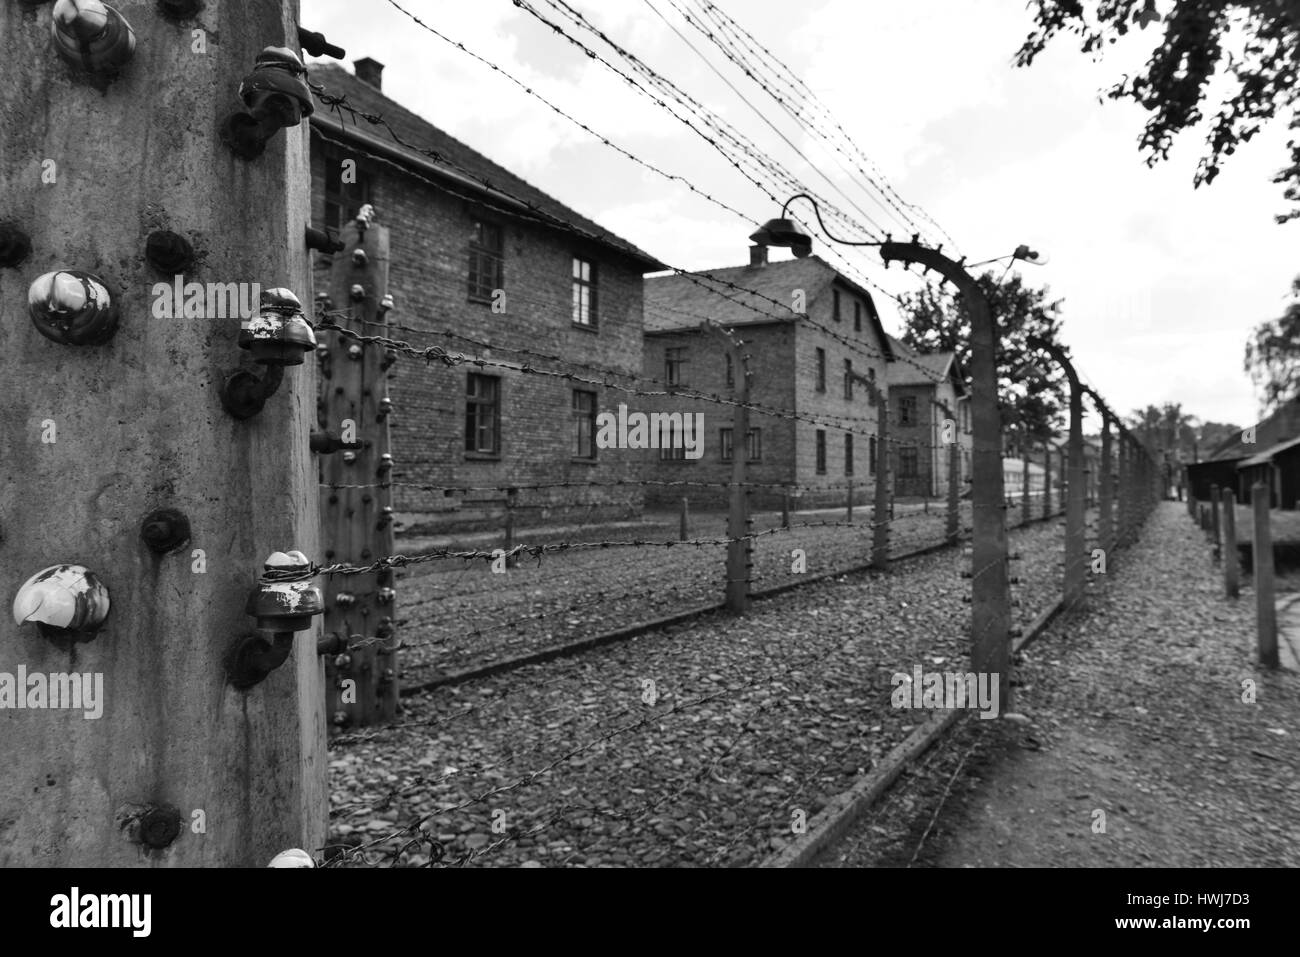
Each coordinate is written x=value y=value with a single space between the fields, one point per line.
x=1161 y=282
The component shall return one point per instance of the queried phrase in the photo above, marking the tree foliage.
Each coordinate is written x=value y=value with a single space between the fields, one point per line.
x=1167 y=429
x=1255 y=43
x=1273 y=354
x=1031 y=387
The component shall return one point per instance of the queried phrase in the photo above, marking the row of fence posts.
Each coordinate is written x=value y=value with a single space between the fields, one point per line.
x=1127 y=489
x=1218 y=518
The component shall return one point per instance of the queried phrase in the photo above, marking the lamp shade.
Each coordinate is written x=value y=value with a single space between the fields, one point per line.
x=782 y=232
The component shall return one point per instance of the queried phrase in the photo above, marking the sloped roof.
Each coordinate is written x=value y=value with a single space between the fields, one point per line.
x=677 y=302
x=1282 y=425
x=463 y=166
x=922 y=368
x=1263 y=458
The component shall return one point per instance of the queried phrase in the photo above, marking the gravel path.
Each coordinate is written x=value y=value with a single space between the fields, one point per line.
x=1135 y=709
x=750 y=723
x=455 y=615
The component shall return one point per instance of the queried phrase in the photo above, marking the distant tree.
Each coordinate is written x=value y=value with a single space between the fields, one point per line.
x=1273 y=354
x=1210 y=435
x=1031 y=387
x=1165 y=429
x=1254 y=42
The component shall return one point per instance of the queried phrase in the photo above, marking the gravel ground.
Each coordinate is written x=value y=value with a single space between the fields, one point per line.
x=455 y=615
x=1135 y=709
x=750 y=722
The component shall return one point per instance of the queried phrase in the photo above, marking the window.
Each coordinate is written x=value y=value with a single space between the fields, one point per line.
x=835 y=304
x=871 y=393
x=584 y=424
x=907 y=462
x=483 y=414
x=753 y=447
x=907 y=410
x=821 y=451
x=848 y=454
x=344 y=200
x=848 y=378
x=486 y=254
x=857 y=316
x=674 y=363
x=871 y=454
x=731 y=371
x=672 y=447
x=584 y=292
x=821 y=370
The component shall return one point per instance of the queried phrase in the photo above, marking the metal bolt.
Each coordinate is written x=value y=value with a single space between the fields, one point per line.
x=164 y=530
x=159 y=827
x=180 y=9
x=168 y=252
x=15 y=246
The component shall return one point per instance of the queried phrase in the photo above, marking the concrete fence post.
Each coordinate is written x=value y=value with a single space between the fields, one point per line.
x=1262 y=556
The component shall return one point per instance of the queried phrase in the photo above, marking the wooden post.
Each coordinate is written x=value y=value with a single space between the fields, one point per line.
x=97 y=437
x=361 y=685
x=1265 y=610
x=684 y=532
x=849 y=502
x=1231 y=556
x=1214 y=519
x=785 y=509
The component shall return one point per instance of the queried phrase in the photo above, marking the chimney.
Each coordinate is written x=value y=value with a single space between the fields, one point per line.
x=369 y=71
x=757 y=255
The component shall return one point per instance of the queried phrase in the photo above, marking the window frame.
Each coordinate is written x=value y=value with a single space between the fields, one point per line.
x=473 y=405
x=907 y=414
x=578 y=417
x=819 y=447
x=820 y=384
x=675 y=359
x=848 y=453
x=479 y=253
x=590 y=285
x=909 y=462
x=848 y=380
x=337 y=193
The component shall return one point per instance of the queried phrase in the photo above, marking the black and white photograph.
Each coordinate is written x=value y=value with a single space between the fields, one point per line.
x=642 y=434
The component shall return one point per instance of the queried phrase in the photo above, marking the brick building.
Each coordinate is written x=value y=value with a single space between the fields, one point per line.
x=795 y=366
x=918 y=426
x=457 y=246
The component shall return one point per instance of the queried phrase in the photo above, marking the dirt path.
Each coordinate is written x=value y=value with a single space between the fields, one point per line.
x=1135 y=718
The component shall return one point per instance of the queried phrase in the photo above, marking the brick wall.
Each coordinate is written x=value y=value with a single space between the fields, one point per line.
x=858 y=413
x=771 y=385
x=428 y=277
